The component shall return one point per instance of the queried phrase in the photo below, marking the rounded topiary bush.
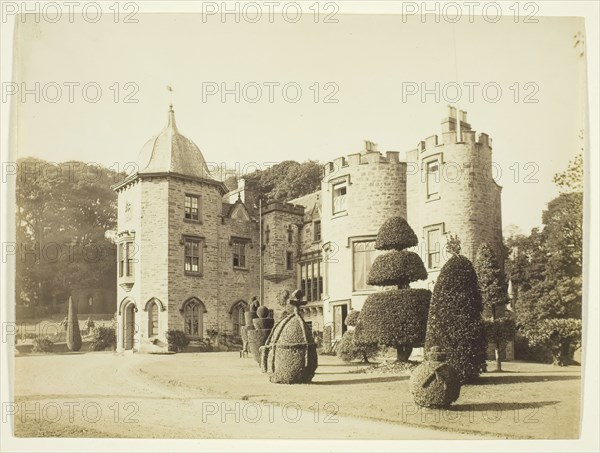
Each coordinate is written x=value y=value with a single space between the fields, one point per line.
x=348 y=349
x=434 y=383
x=395 y=234
x=455 y=319
x=397 y=268
x=395 y=317
x=262 y=312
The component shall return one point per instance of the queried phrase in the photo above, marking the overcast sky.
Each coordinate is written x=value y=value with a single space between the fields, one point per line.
x=366 y=58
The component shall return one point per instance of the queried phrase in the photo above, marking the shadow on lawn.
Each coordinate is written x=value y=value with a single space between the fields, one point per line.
x=517 y=378
x=499 y=407
x=362 y=381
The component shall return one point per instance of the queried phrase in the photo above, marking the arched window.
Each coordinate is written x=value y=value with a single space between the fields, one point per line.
x=153 y=319
x=193 y=314
x=237 y=317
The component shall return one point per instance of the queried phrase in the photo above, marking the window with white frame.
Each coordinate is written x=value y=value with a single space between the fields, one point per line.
x=363 y=255
x=433 y=179
x=239 y=254
x=192 y=207
x=433 y=247
x=192 y=255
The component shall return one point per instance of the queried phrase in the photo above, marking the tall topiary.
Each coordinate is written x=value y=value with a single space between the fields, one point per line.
x=73 y=333
x=395 y=318
x=455 y=319
x=494 y=295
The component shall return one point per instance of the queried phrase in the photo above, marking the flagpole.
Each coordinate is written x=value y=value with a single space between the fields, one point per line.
x=260 y=248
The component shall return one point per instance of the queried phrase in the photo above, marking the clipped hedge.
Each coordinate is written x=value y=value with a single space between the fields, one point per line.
x=397 y=268
x=103 y=338
x=395 y=234
x=348 y=349
x=560 y=336
x=395 y=317
x=455 y=323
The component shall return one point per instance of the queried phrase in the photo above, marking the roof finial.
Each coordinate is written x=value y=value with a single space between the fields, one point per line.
x=171 y=117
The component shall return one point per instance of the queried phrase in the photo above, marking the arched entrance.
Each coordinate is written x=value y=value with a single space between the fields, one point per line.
x=237 y=317
x=129 y=326
x=193 y=318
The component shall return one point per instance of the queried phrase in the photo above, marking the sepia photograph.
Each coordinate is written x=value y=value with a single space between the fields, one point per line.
x=299 y=226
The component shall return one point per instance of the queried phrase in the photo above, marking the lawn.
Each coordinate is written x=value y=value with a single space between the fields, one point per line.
x=527 y=400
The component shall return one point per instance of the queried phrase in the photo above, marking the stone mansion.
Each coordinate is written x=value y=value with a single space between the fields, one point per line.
x=190 y=252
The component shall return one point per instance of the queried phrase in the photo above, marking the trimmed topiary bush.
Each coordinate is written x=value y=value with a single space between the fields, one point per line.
x=395 y=318
x=397 y=268
x=42 y=344
x=177 y=340
x=103 y=338
x=257 y=337
x=348 y=349
x=73 y=333
x=455 y=322
x=395 y=234
x=290 y=354
x=434 y=383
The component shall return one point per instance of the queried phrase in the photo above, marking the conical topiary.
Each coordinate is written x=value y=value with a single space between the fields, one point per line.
x=395 y=318
x=290 y=354
x=434 y=383
x=73 y=333
x=455 y=320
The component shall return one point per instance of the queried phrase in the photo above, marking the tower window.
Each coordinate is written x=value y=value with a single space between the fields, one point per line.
x=289 y=261
x=126 y=252
x=433 y=248
x=433 y=179
x=239 y=254
x=339 y=198
x=192 y=256
x=290 y=234
x=191 y=207
x=363 y=255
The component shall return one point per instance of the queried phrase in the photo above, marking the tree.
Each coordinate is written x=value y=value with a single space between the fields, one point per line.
x=494 y=295
x=546 y=271
x=65 y=214
x=455 y=319
x=73 y=333
x=395 y=318
x=453 y=246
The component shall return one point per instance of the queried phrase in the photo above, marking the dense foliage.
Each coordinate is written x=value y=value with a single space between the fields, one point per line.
x=177 y=340
x=395 y=318
x=545 y=269
x=103 y=338
x=352 y=318
x=42 y=344
x=349 y=348
x=284 y=181
x=64 y=212
x=455 y=318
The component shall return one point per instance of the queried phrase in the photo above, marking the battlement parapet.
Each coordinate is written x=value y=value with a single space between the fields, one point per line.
x=362 y=158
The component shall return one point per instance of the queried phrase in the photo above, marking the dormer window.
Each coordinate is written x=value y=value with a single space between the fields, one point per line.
x=192 y=207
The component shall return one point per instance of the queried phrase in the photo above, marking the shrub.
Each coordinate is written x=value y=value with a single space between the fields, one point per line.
x=177 y=340
x=395 y=234
x=42 y=344
x=352 y=318
x=455 y=322
x=103 y=338
x=349 y=349
x=434 y=383
x=499 y=332
x=73 y=333
x=560 y=336
x=395 y=318
x=397 y=268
